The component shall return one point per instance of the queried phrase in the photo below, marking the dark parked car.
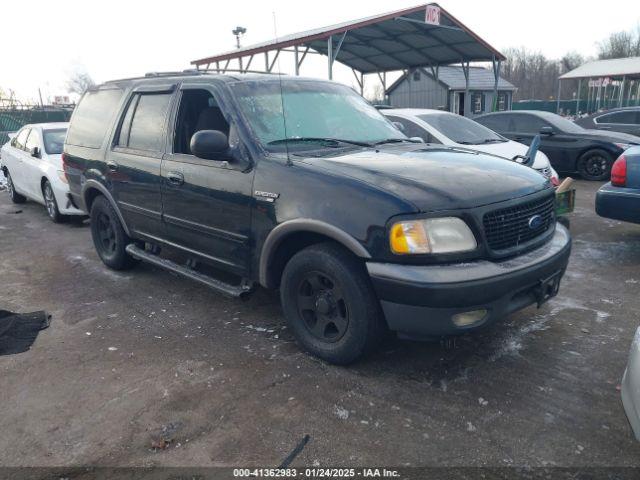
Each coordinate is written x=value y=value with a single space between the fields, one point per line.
x=620 y=198
x=625 y=120
x=361 y=229
x=570 y=148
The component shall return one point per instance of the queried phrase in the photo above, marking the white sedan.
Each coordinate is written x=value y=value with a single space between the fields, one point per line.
x=32 y=164
x=436 y=126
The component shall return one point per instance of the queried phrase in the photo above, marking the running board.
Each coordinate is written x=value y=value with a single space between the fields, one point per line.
x=222 y=287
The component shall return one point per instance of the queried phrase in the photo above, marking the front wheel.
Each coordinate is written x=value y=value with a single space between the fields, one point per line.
x=109 y=237
x=50 y=203
x=595 y=165
x=330 y=305
x=15 y=196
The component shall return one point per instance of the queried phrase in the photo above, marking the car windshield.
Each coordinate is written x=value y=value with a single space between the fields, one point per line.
x=563 y=124
x=316 y=115
x=54 y=141
x=461 y=129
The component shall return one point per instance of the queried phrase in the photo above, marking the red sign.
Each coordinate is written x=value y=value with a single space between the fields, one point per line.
x=433 y=15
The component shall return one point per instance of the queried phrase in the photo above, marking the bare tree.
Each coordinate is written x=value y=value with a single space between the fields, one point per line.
x=79 y=82
x=620 y=45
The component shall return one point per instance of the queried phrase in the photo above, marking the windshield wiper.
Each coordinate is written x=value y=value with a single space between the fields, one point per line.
x=493 y=140
x=334 y=141
x=396 y=140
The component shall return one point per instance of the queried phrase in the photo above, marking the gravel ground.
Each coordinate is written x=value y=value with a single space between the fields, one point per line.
x=132 y=359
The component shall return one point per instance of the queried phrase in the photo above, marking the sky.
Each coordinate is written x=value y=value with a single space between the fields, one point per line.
x=116 y=38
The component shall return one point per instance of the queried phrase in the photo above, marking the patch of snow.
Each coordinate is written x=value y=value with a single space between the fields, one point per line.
x=112 y=349
x=3 y=181
x=341 y=413
x=632 y=281
x=483 y=402
x=470 y=427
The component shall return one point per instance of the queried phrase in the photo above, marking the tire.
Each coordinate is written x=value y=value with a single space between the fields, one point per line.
x=595 y=165
x=50 y=203
x=109 y=237
x=15 y=196
x=330 y=305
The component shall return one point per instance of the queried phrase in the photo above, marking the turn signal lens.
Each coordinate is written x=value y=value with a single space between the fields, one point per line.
x=432 y=235
x=409 y=237
x=619 y=172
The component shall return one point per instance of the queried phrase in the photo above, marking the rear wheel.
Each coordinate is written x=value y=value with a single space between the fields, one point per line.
x=15 y=196
x=330 y=304
x=595 y=165
x=109 y=236
x=50 y=203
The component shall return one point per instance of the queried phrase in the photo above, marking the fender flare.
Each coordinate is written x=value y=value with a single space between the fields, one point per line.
x=282 y=231
x=94 y=184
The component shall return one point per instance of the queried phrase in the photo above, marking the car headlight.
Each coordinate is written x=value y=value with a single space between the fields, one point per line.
x=623 y=146
x=432 y=235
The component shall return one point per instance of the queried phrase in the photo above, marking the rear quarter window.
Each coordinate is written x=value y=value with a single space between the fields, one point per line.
x=93 y=117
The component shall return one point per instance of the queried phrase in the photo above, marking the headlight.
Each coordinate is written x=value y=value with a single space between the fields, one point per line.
x=623 y=146
x=432 y=235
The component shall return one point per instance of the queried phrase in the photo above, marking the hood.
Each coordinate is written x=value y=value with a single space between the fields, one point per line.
x=437 y=178
x=509 y=150
x=615 y=137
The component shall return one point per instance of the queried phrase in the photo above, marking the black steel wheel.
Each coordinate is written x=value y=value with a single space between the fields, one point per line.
x=109 y=237
x=322 y=307
x=330 y=305
x=50 y=203
x=595 y=165
x=15 y=196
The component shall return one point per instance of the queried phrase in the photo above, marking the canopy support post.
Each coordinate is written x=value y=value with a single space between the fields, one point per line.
x=558 y=99
x=295 y=56
x=620 y=97
x=578 y=96
x=266 y=62
x=330 y=56
x=496 y=77
x=467 y=98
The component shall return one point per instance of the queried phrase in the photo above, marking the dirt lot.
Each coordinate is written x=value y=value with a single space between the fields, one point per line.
x=134 y=357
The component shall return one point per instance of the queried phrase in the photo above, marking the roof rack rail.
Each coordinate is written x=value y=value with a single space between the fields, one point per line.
x=190 y=71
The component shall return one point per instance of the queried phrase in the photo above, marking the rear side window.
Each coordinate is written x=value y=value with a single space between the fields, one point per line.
x=497 y=123
x=627 y=117
x=528 y=123
x=92 y=117
x=143 y=124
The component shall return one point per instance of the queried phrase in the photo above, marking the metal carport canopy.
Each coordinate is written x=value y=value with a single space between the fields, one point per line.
x=616 y=67
x=392 y=41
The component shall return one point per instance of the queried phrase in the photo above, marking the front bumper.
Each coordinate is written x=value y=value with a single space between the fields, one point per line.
x=65 y=204
x=421 y=300
x=631 y=386
x=619 y=203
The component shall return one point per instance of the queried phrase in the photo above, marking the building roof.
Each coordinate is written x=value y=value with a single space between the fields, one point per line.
x=616 y=67
x=386 y=42
x=452 y=77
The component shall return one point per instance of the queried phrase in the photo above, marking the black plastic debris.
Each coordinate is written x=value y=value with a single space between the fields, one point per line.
x=18 y=331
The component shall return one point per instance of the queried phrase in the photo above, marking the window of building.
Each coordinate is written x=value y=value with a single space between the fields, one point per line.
x=478 y=102
x=502 y=102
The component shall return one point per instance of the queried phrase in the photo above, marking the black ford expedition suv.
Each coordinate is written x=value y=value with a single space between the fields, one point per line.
x=300 y=185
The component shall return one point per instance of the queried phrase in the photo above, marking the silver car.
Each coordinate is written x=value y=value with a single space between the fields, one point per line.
x=631 y=386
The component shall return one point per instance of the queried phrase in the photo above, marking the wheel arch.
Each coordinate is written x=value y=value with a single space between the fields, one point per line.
x=91 y=190
x=290 y=237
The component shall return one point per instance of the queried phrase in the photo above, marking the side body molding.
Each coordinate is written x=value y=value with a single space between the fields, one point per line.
x=279 y=233
x=94 y=184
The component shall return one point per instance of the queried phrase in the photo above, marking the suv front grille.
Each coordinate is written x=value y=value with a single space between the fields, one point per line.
x=511 y=227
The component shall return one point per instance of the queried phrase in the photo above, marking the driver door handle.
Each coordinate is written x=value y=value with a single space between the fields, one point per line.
x=175 y=178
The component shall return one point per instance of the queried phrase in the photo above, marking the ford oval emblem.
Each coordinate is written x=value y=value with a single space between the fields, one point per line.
x=535 y=222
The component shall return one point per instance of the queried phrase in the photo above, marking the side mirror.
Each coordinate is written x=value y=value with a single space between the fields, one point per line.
x=399 y=126
x=210 y=145
x=35 y=152
x=546 y=131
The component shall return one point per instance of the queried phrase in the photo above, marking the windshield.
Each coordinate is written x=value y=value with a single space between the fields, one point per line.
x=461 y=129
x=316 y=115
x=54 y=141
x=563 y=124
